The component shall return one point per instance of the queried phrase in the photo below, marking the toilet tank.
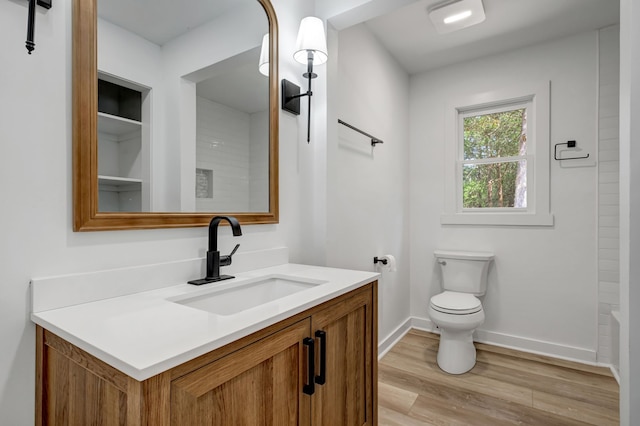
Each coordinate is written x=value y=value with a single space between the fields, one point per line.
x=464 y=271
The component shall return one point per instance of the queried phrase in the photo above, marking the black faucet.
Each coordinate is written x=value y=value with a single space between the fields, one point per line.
x=214 y=260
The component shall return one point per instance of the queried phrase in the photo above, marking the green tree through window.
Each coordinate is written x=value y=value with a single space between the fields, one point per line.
x=494 y=164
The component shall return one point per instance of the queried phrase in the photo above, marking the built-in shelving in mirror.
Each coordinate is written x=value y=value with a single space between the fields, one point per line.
x=173 y=122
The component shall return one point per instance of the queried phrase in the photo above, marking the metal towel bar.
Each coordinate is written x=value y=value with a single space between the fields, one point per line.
x=374 y=140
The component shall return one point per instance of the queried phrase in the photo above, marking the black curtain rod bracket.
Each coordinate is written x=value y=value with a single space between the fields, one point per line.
x=374 y=140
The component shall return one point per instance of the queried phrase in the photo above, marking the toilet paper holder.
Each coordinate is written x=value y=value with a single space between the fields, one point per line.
x=378 y=260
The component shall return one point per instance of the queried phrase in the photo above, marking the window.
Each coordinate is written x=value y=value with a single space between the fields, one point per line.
x=498 y=160
x=494 y=158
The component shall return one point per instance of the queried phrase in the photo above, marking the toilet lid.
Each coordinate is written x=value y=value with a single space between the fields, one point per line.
x=456 y=303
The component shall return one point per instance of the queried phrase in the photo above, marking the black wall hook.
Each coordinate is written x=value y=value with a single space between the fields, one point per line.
x=569 y=144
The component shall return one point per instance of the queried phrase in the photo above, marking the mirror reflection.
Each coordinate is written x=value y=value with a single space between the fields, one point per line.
x=232 y=138
x=183 y=111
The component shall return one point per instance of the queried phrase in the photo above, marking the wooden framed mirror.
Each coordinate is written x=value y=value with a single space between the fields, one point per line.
x=144 y=209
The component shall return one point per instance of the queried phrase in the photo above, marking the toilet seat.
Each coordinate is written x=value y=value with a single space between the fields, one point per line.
x=451 y=302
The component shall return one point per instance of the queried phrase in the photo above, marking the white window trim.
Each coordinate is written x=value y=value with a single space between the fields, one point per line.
x=537 y=212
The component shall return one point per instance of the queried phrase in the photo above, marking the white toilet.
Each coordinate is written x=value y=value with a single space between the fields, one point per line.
x=457 y=311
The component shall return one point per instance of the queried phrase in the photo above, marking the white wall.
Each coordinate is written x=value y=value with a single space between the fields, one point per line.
x=191 y=52
x=35 y=171
x=629 y=212
x=542 y=291
x=608 y=190
x=164 y=69
x=367 y=188
x=131 y=58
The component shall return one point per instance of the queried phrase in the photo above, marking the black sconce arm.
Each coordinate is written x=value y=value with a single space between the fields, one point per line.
x=291 y=94
x=31 y=22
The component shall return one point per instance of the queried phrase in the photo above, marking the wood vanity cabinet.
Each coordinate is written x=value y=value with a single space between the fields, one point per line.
x=258 y=383
x=262 y=379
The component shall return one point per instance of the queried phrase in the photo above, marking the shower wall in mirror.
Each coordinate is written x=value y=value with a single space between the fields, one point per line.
x=231 y=142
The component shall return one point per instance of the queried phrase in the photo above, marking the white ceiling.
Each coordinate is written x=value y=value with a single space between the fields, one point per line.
x=237 y=83
x=160 y=21
x=408 y=34
x=234 y=82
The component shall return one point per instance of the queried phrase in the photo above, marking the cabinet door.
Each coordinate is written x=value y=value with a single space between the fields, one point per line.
x=260 y=384
x=346 y=397
x=74 y=388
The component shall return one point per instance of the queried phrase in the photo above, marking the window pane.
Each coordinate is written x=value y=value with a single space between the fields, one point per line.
x=495 y=185
x=501 y=134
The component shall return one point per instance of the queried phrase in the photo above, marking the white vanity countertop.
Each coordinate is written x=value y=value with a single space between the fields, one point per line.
x=144 y=334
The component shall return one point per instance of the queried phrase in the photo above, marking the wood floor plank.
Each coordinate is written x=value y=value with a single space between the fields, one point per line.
x=586 y=375
x=595 y=376
x=396 y=398
x=585 y=378
x=456 y=406
x=545 y=359
x=573 y=409
x=502 y=389
x=418 y=364
x=389 y=417
x=420 y=339
x=425 y=336
x=441 y=412
x=597 y=396
x=494 y=413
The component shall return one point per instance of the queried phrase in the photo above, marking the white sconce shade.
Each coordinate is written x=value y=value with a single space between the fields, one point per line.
x=453 y=15
x=311 y=37
x=263 y=65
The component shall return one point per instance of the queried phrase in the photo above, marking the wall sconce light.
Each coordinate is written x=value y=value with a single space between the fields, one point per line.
x=31 y=22
x=263 y=65
x=311 y=49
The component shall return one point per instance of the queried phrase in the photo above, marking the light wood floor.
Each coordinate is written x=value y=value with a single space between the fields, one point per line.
x=506 y=387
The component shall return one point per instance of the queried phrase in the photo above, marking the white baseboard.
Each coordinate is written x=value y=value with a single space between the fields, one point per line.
x=615 y=344
x=394 y=337
x=523 y=344
x=424 y=324
x=535 y=346
x=616 y=373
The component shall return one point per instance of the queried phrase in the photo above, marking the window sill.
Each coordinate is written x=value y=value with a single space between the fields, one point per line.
x=497 y=219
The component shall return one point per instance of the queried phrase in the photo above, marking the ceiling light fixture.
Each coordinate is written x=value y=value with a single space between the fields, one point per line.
x=452 y=15
x=457 y=17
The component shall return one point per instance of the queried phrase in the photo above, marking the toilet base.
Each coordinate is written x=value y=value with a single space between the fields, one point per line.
x=456 y=353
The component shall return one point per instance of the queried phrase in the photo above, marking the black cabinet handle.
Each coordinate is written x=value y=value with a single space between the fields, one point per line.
x=322 y=377
x=309 y=387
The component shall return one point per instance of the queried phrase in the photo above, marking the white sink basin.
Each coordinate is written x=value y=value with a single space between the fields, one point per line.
x=248 y=294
